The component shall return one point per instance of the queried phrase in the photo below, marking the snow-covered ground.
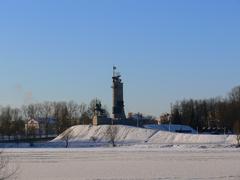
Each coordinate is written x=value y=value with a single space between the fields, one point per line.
x=126 y=163
x=140 y=154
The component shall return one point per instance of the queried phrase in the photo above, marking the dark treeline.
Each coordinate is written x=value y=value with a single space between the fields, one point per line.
x=64 y=114
x=222 y=113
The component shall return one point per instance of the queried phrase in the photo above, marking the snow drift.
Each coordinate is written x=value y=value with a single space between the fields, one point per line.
x=128 y=134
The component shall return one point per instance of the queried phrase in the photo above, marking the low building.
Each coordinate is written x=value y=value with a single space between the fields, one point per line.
x=32 y=128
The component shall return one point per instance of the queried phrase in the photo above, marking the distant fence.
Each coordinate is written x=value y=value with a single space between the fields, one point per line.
x=27 y=139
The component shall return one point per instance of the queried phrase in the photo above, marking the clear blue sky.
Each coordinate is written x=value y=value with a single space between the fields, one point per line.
x=166 y=50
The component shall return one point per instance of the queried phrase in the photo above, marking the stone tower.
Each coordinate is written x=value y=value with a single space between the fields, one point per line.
x=118 y=102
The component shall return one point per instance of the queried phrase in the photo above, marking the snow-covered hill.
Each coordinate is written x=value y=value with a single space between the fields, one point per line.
x=168 y=137
x=128 y=134
x=85 y=133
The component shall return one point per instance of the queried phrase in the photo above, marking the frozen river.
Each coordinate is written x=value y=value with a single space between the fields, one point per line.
x=125 y=163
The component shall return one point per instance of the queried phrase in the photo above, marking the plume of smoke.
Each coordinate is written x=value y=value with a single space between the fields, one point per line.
x=18 y=87
x=27 y=95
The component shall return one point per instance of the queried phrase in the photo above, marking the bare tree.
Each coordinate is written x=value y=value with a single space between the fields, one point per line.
x=82 y=110
x=61 y=115
x=238 y=140
x=93 y=139
x=6 y=122
x=234 y=95
x=24 y=111
x=66 y=136
x=91 y=107
x=17 y=124
x=72 y=108
x=30 y=111
x=111 y=134
x=106 y=110
x=47 y=111
x=237 y=131
x=85 y=119
x=38 y=110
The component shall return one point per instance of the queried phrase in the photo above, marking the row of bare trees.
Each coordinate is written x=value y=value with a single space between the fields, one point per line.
x=11 y=123
x=64 y=114
x=218 y=112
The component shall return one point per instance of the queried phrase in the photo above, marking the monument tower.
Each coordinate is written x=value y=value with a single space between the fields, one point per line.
x=118 y=102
